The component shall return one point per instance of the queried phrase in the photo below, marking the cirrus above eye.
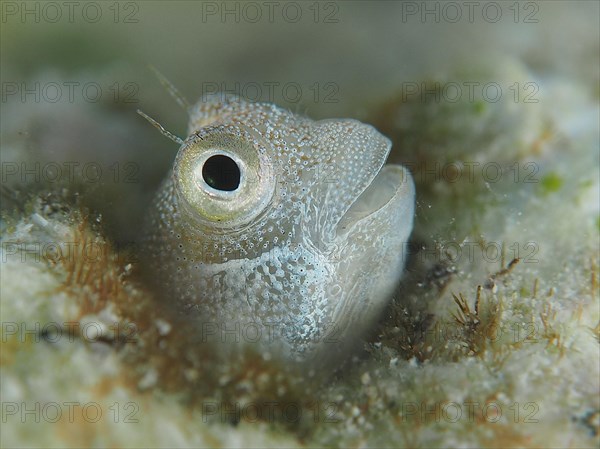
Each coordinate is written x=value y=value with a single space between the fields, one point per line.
x=221 y=173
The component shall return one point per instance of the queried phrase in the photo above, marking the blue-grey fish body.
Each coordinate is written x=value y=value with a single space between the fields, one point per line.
x=277 y=230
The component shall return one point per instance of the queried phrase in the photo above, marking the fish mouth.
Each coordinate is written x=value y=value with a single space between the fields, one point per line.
x=390 y=189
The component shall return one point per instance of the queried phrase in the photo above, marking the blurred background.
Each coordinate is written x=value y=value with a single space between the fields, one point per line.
x=363 y=48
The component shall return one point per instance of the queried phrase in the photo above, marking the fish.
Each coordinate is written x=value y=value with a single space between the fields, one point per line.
x=277 y=230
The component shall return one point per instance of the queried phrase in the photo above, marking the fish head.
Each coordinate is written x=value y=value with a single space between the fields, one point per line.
x=276 y=218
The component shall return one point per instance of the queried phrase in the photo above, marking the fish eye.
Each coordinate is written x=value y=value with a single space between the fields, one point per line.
x=221 y=173
x=223 y=176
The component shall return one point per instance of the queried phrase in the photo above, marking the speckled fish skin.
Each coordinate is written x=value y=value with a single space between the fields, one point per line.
x=305 y=264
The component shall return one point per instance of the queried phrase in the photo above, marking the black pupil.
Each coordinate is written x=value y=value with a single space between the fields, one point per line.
x=221 y=173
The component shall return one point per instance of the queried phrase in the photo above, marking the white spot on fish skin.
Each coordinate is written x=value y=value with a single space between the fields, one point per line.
x=312 y=239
